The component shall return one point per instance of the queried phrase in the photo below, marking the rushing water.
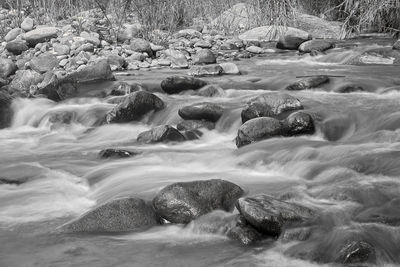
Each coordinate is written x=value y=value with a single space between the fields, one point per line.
x=349 y=170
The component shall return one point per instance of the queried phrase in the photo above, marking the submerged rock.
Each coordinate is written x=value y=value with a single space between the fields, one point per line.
x=189 y=125
x=134 y=107
x=308 y=83
x=5 y=110
x=315 y=45
x=356 y=252
x=349 y=88
x=120 y=215
x=270 y=105
x=116 y=153
x=268 y=215
x=162 y=133
x=177 y=84
x=186 y=201
x=202 y=111
x=211 y=90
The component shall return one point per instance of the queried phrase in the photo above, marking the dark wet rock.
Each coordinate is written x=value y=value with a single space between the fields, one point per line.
x=204 y=56
x=186 y=201
x=55 y=88
x=315 y=45
x=44 y=63
x=120 y=215
x=188 y=125
x=161 y=134
x=270 y=105
x=177 y=84
x=299 y=123
x=269 y=215
x=40 y=35
x=24 y=79
x=11 y=181
x=134 y=107
x=208 y=70
x=244 y=233
x=116 y=153
x=202 y=111
x=211 y=90
x=7 y=67
x=5 y=109
x=98 y=71
x=335 y=127
x=292 y=39
x=308 y=83
x=258 y=129
x=141 y=45
x=349 y=88
x=16 y=47
x=356 y=252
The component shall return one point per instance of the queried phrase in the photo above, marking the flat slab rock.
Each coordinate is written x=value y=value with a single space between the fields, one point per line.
x=184 y=202
x=269 y=215
x=120 y=215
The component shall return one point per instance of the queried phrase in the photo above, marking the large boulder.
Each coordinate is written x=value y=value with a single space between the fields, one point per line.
x=16 y=47
x=161 y=134
x=7 y=67
x=238 y=17
x=274 y=33
x=134 y=107
x=292 y=39
x=204 y=56
x=258 y=129
x=177 y=84
x=44 y=63
x=120 y=215
x=270 y=105
x=318 y=27
x=315 y=45
x=98 y=71
x=201 y=111
x=308 y=83
x=268 y=214
x=5 y=110
x=41 y=35
x=186 y=201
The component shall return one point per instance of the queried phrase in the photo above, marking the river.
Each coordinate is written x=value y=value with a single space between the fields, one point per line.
x=349 y=168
